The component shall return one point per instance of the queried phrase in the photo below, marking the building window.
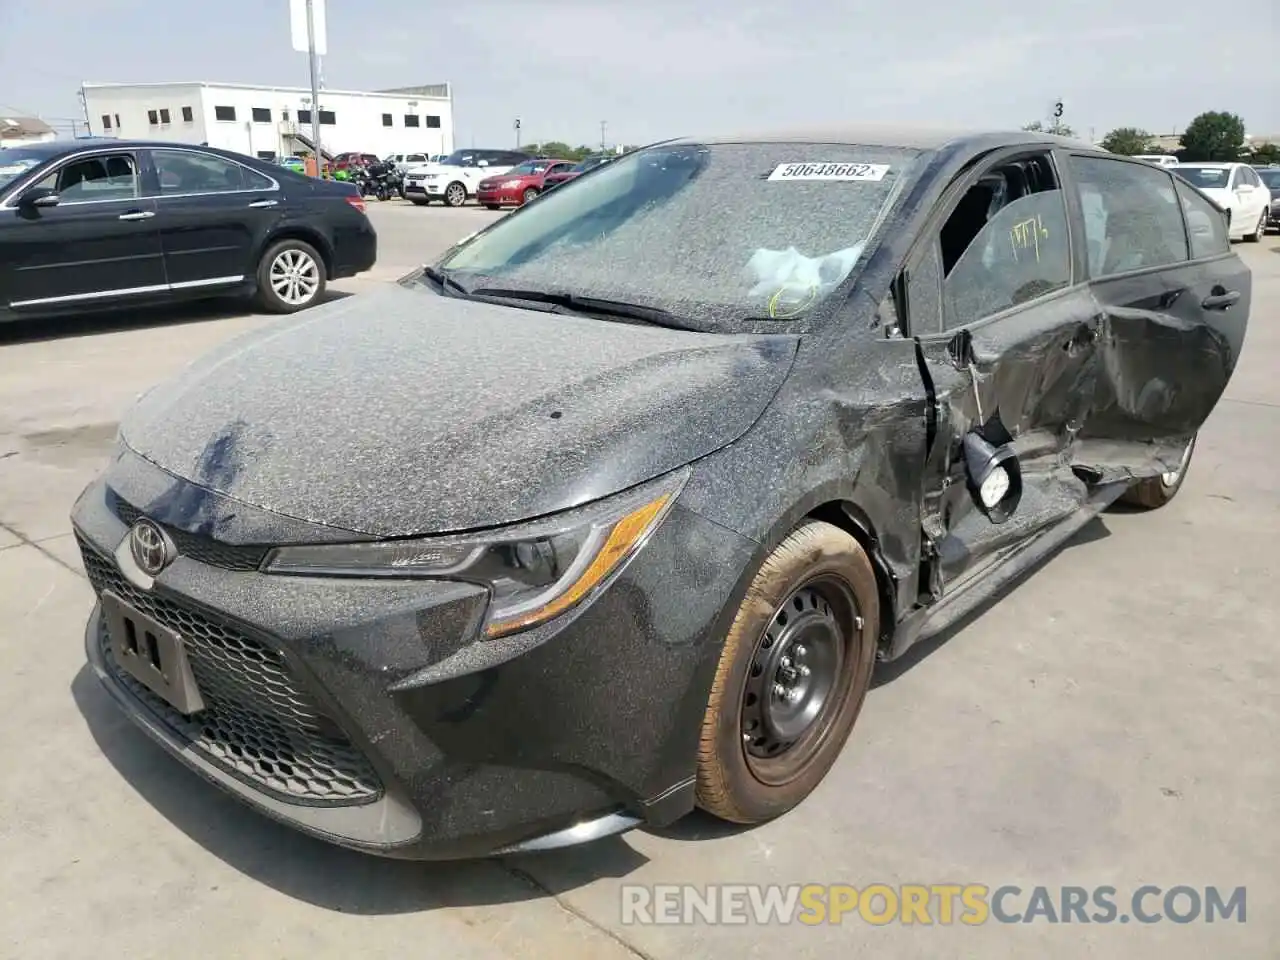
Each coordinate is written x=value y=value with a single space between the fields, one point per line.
x=224 y=113
x=386 y=119
x=164 y=116
x=327 y=118
x=187 y=115
x=304 y=116
x=117 y=121
x=411 y=120
x=106 y=121
x=152 y=117
x=268 y=155
x=433 y=122
x=261 y=115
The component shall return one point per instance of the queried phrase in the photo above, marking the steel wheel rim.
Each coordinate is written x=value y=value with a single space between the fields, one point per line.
x=451 y=194
x=295 y=277
x=795 y=687
x=1170 y=477
x=530 y=196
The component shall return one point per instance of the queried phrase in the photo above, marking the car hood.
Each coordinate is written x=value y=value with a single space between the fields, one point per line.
x=403 y=412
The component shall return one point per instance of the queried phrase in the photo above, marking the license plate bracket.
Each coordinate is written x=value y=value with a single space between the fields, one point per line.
x=152 y=654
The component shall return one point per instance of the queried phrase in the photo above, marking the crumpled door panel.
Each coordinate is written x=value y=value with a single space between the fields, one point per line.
x=1163 y=363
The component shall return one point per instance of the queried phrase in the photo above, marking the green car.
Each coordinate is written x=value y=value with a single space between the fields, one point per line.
x=297 y=164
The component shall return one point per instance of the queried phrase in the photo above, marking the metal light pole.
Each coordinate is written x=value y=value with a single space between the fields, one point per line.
x=516 y=126
x=603 y=124
x=315 y=86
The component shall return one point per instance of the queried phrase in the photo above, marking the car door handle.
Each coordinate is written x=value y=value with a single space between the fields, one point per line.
x=137 y=215
x=1220 y=301
x=259 y=204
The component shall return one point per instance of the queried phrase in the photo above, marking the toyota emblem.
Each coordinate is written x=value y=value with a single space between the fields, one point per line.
x=152 y=550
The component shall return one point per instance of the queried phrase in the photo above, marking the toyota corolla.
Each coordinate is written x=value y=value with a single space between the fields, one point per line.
x=612 y=510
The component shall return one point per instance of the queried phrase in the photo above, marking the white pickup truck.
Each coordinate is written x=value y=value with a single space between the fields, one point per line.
x=454 y=179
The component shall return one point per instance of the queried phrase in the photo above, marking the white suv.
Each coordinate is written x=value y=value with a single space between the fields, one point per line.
x=455 y=178
x=404 y=161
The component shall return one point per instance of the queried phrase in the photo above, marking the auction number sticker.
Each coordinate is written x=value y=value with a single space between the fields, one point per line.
x=830 y=171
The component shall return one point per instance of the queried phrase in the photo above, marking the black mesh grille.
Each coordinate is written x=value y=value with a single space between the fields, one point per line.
x=204 y=549
x=258 y=723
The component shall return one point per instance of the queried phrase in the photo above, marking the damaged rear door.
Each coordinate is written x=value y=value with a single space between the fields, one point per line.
x=1006 y=333
x=1174 y=301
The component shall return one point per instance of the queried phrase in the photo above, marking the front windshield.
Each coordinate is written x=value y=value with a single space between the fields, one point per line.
x=529 y=167
x=1206 y=178
x=14 y=162
x=716 y=234
x=1271 y=178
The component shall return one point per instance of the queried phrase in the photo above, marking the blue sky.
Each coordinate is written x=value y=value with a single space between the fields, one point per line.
x=665 y=68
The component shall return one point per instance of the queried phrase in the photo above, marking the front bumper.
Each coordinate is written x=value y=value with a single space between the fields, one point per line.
x=367 y=714
x=500 y=196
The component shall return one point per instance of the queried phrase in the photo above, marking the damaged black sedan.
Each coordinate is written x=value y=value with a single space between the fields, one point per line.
x=611 y=511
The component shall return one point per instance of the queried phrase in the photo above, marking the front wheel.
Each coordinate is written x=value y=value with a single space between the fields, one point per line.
x=455 y=195
x=792 y=677
x=1154 y=492
x=529 y=196
x=291 y=277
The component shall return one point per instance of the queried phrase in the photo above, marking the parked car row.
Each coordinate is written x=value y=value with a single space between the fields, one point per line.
x=91 y=224
x=495 y=178
x=1239 y=190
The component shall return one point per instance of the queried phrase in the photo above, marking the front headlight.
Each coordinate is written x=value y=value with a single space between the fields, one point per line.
x=511 y=184
x=534 y=572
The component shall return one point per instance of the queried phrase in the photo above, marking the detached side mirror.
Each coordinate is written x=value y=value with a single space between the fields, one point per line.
x=39 y=197
x=995 y=477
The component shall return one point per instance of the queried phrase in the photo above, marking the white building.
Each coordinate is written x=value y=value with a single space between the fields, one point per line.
x=271 y=122
x=20 y=131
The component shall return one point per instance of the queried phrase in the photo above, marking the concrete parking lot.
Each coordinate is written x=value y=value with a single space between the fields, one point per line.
x=1114 y=720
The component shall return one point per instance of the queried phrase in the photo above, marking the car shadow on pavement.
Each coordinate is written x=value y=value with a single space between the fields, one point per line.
x=310 y=870
x=36 y=329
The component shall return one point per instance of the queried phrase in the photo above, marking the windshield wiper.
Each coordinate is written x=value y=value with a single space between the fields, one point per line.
x=447 y=282
x=655 y=316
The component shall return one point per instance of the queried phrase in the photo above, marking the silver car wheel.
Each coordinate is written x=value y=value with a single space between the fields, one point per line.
x=295 y=277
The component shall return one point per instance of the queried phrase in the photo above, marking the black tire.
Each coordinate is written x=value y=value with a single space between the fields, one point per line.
x=1154 y=492
x=1260 y=232
x=455 y=194
x=817 y=585
x=281 y=257
x=529 y=195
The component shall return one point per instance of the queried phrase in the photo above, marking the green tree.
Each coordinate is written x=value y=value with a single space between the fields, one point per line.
x=1058 y=129
x=552 y=148
x=1214 y=137
x=1267 y=153
x=1127 y=140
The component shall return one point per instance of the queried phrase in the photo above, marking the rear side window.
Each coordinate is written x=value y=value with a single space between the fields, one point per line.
x=1206 y=224
x=181 y=172
x=1131 y=216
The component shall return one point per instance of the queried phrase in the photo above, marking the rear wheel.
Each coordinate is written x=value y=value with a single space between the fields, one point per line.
x=291 y=277
x=455 y=195
x=1262 y=229
x=1155 y=492
x=793 y=674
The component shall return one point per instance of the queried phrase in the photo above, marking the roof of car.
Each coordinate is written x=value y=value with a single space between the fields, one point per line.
x=1221 y=165
x=910 y=137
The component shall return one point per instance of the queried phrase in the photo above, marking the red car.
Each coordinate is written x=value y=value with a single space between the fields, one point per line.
x=563 y=176
x=520 y=184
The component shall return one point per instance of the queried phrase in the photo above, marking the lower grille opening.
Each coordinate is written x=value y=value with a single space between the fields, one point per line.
x=258 y=723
